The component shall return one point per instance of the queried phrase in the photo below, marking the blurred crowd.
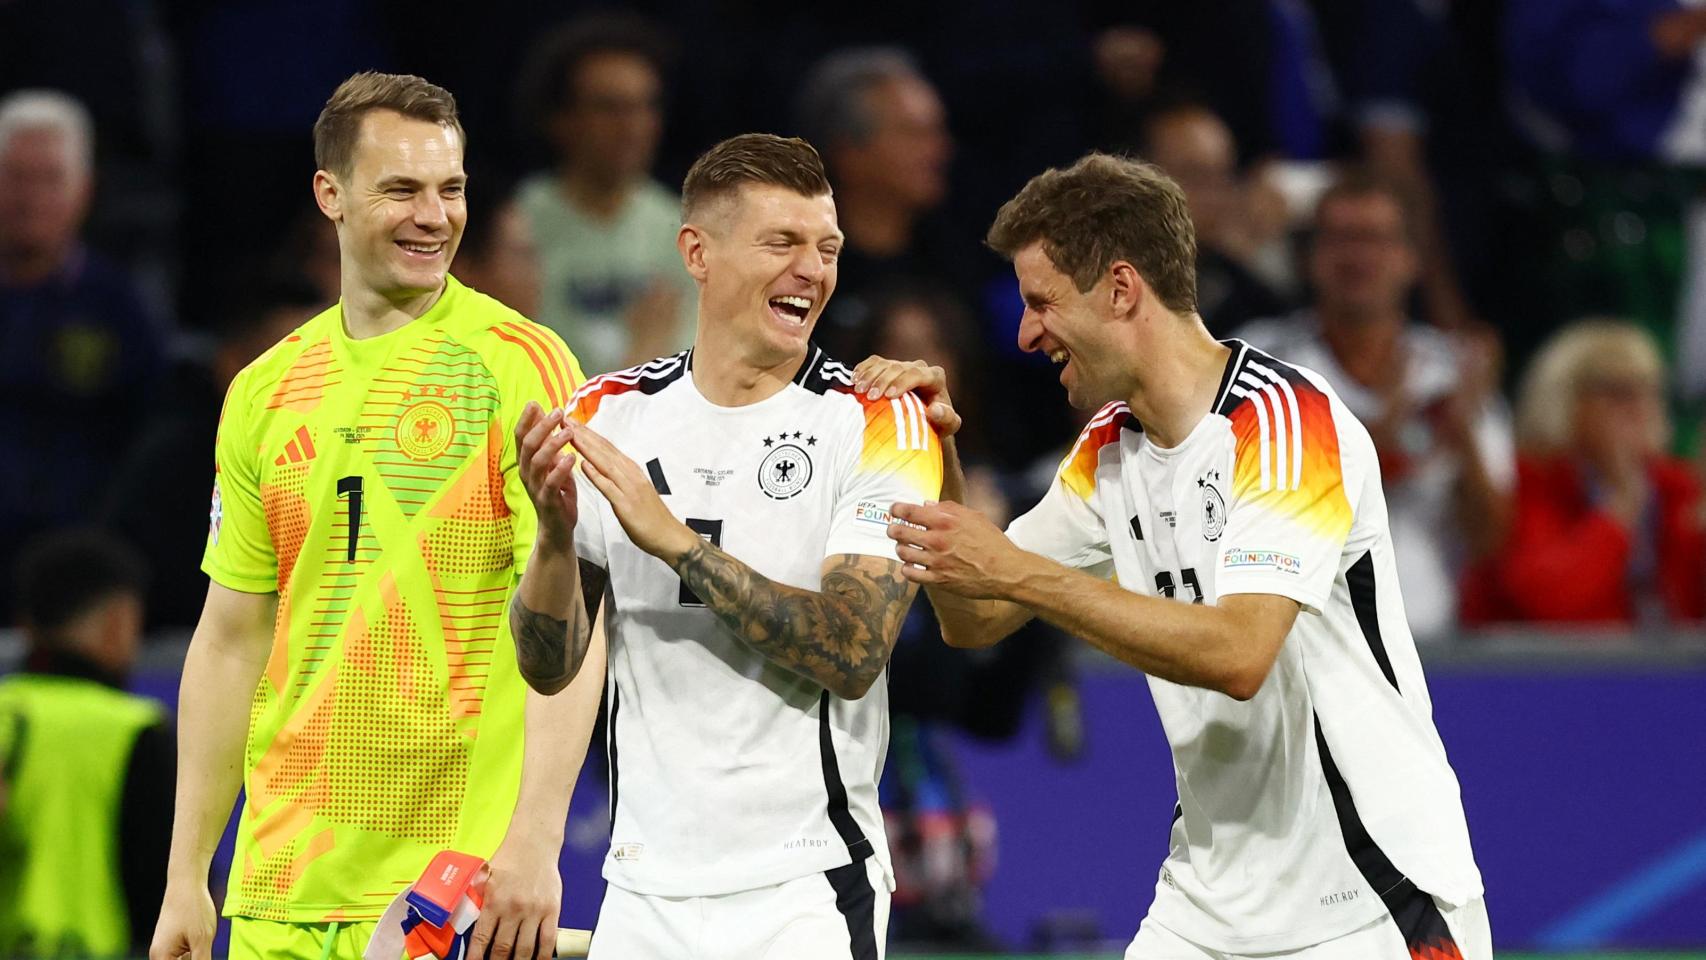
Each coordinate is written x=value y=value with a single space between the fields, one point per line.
x=1482 y=221
x=1425 y=200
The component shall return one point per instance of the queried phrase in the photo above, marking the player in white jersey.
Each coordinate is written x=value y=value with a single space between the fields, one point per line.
x=1237 y=506
x=731 y=515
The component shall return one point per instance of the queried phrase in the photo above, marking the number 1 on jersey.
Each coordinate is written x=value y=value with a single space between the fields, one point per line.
x=711 y=530
x=352 y=487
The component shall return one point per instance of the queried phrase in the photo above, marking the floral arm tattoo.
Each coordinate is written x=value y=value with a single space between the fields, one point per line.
x=840 y=637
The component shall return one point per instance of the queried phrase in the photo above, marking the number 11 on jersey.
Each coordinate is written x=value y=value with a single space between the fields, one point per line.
x=1165 y=586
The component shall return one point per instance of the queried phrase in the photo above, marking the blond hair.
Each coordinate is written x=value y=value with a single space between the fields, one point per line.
x=1586 y=352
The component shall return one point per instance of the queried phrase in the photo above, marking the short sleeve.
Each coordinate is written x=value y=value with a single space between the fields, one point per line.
x=240 y=553
x=1066 y=525
x=899 y=459
x=1289 y=514
x=534 y=365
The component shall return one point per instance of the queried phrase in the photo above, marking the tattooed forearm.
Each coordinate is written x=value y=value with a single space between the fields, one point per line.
x=546 y=650
x=840 y=637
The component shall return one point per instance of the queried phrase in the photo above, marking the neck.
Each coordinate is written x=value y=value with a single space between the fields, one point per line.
x=729 y=376
x=599 y=197
x=30 y=266
x=1178 y=388
x=75 y=661
x=1366 y=344
x=878 y=225
x=369 y=313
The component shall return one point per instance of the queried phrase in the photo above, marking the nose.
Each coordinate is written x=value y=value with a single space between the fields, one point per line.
x=1030 y=331
x=429 y=210
x=810 y=265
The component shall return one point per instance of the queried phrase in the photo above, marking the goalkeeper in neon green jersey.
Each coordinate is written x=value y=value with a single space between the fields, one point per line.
x=352 y=667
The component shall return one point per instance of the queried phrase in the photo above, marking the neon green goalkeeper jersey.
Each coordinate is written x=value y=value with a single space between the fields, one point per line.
x=372 y=483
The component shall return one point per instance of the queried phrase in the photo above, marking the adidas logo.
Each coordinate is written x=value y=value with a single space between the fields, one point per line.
x=299 y=450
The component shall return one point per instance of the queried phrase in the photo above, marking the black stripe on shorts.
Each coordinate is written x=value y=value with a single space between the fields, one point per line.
x=857 y=902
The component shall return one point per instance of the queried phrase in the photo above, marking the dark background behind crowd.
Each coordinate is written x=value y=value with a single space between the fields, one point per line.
x=1482 y=221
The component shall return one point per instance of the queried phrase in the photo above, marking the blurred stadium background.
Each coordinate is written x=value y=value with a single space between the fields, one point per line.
x=1541 y=162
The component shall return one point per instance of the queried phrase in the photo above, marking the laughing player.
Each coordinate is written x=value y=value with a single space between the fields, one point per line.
x=1237 y=506
x=750 y=592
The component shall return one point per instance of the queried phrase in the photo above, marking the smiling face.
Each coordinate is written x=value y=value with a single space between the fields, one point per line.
x=1363 y=262
x=765 y=259
x=1074 y=328
x=400 y=208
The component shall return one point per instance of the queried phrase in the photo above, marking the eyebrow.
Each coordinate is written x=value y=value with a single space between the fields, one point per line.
x=399 y=180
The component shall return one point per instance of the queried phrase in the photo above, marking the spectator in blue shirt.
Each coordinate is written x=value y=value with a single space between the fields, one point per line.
x=78 y=352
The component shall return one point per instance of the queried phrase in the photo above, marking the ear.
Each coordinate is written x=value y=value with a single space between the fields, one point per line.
x=691 y=240
x=1126 y=289
x=329 y=195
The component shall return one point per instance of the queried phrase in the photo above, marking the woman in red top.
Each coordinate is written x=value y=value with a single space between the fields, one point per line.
x=1607 y=526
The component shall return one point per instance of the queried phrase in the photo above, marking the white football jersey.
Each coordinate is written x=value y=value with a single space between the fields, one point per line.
x=728 y=773
x=1304 y=809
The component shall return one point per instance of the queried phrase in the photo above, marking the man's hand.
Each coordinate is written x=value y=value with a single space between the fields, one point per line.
x=632 y=498
x=548 y=474
x=878 y=377
x=957 y=549
x=185 y=927
x=524 y=895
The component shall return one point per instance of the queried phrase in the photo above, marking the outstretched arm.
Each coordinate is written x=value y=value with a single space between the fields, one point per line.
x=839 y=636
x=1228 y=646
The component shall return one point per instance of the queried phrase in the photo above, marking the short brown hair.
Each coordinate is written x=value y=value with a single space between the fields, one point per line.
x=759 y=158
x=339 y=125
x=1360 y=183
x=1103 y=209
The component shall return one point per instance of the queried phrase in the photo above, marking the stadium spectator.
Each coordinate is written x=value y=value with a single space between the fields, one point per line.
x=1195 y=148
x=86 y=769
x=497 y=256
x=147 y=499
x=884 y=135
x=81 y=351
x=605 y=230
x=1429 y=399
x=1608 y=527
